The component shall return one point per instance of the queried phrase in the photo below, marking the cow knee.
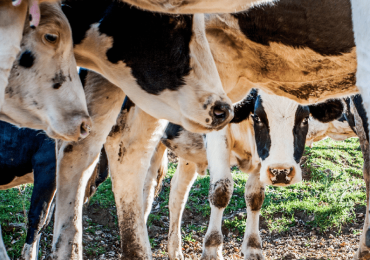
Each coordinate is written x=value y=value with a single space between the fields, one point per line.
x=255 y=200
x=220 y=193
x=214 y=239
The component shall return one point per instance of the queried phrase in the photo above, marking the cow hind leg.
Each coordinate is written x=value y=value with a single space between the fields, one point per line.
x=156 y=173
x=254 y=196
x=181 y=183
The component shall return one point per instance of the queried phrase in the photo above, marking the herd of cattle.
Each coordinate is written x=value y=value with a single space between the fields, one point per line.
x=247 y=85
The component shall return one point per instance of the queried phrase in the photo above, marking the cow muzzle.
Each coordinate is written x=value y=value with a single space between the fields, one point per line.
x=280 y=175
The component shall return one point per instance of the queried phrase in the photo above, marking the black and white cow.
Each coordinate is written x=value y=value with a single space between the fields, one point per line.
x=28 y=156
x=164 y=64
x=266 y=139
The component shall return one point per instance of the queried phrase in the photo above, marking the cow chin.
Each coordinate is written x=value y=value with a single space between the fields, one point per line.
x=267 y=177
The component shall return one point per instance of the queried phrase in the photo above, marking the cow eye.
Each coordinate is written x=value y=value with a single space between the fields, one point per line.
x=305 y=121
x=50 y=37
x=256 y=119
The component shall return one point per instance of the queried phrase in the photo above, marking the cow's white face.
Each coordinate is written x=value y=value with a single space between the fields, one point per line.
x=280 y=127
x=162 y=62
x=44 y=90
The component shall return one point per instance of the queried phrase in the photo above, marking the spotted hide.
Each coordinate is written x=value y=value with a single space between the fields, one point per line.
x=266 y=139
x=28 y=156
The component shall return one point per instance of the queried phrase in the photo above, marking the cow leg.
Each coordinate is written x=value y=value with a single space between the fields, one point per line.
x=76 y=162
x=11 y=28
x=129 y=151
x=364 y=248
x=3 y=254
x=153 y=182
x=220 y=191
x=181 y=183
x=44 y=167
x=254 y=196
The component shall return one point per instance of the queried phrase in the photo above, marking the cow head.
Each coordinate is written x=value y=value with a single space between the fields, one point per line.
x=162 y=62
x=280 y=128
x=44 y=90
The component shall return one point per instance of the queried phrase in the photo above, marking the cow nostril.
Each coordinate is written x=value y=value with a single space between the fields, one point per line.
x=84 y=129
x=221 y=112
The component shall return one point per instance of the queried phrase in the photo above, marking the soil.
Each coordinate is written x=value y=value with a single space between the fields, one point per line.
x=300 y=242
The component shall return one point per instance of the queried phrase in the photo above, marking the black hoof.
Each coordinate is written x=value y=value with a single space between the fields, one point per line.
x=367 y=239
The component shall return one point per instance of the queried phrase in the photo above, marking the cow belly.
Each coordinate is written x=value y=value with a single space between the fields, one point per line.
x=28 y=178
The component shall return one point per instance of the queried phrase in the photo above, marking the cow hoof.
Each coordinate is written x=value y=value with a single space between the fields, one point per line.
x=211 y=257
x=363 y=255
x=367 y=238
x=254 y=256
x=175 y=254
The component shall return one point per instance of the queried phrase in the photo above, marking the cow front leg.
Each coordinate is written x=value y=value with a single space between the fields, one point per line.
x=76 y=163
x=11 y=28
x=129 y=153
x=153 y=181
x=44 y=188
x=3 y=254
x=181 y=183
x=220 y=191
x=364 y=248
x=254 y=197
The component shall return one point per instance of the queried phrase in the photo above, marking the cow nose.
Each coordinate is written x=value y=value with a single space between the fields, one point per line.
x=85 y=128
x=281 y=175
x=221 y=112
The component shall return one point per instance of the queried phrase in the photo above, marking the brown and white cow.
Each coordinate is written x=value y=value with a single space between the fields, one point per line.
x=44 y=89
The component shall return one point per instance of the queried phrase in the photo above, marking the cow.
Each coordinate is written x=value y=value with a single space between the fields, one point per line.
x=28 y=156
x=165 y=63
x=44 y=91
x=265 y=139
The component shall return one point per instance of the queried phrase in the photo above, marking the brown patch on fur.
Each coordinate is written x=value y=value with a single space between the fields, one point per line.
x=317 y=88
x=214 y=239
x=220 y=193
x=130 y=245
x=121 y=151
x=364 y=255
x=254 y=242
x=68 y=148
x=255 y=201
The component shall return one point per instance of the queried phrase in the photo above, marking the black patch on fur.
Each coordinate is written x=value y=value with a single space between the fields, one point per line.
x=155 y=46
x=173 y=131
x=92 y=10
x=27 y=59
x=68 y=148
x=83 y=74
x=59 y=79
x=300 y=130
x=262 y=130
x=330 y=110
x=347 y=115
x=127 y=104
x=357 y=100
x=243 y=109
x=324 y=26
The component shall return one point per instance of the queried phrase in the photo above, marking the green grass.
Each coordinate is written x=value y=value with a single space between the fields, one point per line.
x=327 y=201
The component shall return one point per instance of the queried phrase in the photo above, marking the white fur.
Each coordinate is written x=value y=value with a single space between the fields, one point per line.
x=184 y=106
x=280 y=112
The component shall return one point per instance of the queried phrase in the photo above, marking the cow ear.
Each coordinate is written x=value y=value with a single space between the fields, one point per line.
x=330 y=110
x=243 y=109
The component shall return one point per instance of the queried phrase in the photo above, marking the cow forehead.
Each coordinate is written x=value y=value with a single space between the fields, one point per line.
x=278 y=107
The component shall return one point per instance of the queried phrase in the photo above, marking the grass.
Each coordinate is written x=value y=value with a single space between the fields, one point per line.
x=326 y=201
